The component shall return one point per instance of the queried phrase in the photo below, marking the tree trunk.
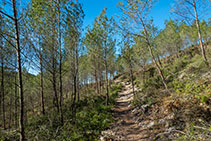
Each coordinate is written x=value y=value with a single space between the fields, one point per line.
x=199 y=34
x=100 y=83
x=75 y=80
x=60 y=67
x=74 y=96
x=106 y=77
x=77 y=75
x=153 y=57
x=99 y=77
x=41 y=80
x=1 y=106
x=56 y=101
x=15 y=108
x=21 y=97
x=143 y=75
x=159 y=61
x=72 y=93
x=132 y=79
x=96 y=82
x=10 y=112
x=2 y=91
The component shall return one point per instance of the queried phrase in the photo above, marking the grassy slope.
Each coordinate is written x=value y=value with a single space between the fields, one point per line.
x=185 y=112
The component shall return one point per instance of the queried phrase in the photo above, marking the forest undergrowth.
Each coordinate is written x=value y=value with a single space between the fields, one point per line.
x=92 y=117
x=183 y=111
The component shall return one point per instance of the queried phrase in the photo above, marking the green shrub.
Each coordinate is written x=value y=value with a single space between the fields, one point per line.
x=92 y=116
x=179 y=64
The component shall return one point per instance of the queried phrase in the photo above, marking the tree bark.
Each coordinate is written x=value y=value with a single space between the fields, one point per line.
x=2 y=91
x=54 y=80
x=143 y=75
x=56 y=102
x=15 y=108
x=10 y=112
x=77 y=75
x=132 y=79
x=21 y=97
x=199 y=33
x=41 y=80
x=159 y=61
x=75 y=51
x=153 y=57
x=60 y=67
x=74 y=96
x=106 y=76
x=96 y=82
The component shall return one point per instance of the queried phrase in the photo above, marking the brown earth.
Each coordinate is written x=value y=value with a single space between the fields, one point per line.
x=126 y=126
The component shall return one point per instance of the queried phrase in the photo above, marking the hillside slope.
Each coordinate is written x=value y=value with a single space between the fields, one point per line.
x=181 y=113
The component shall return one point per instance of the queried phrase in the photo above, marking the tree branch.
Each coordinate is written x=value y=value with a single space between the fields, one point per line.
x=7 y=15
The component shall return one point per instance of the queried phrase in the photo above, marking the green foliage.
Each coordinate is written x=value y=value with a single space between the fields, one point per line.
x=149 y=101
x=91 y=118
x=179 y=64
x=178 y=86
x=113 y=92
x=91 y=122
x=198 y=66
x=151 y=82
x=169 y=40
x=115 y=89
x=186 y=87
x=124 y=77
x=196 y=133
x=190 y=87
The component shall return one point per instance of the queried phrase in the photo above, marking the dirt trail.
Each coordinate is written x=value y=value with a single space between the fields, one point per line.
x=126 y=127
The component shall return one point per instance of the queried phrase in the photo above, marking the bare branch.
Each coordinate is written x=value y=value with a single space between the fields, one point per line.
x=7 y=15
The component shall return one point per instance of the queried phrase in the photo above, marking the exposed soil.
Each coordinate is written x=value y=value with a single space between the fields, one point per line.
x=126 y=125
x=167 y=119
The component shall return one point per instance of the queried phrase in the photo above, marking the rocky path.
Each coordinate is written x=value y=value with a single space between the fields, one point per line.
x=126 y=127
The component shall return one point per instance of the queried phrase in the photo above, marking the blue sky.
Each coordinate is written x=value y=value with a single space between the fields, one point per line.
x=92 y=8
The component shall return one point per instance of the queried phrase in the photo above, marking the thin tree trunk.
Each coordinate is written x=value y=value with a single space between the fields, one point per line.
x=75 y=80
x=153 y=57
x=2 y=91
x=101 y=89
x=159 y=61
x=96 y=82
x=77 y=75
x=106 y=77
x=1 y=106
x=15 y=108
x=74 y=96
x=143 y=75
x=54 y=63
x=199 y=33
x=72 y=93
x=21 y=97
x=10 y=112
x=54 y=89
x=56 y=101
x=60 y=68
x=110 y=81
x=41 y=80
x=99 y=77
x=132 y=79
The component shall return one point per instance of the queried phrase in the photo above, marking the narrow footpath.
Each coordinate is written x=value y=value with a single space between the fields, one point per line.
x=125 y=126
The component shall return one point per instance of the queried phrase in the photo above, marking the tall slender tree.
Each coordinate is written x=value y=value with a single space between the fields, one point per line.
x=188 y=9
x=136 y=13
x=18 y=50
